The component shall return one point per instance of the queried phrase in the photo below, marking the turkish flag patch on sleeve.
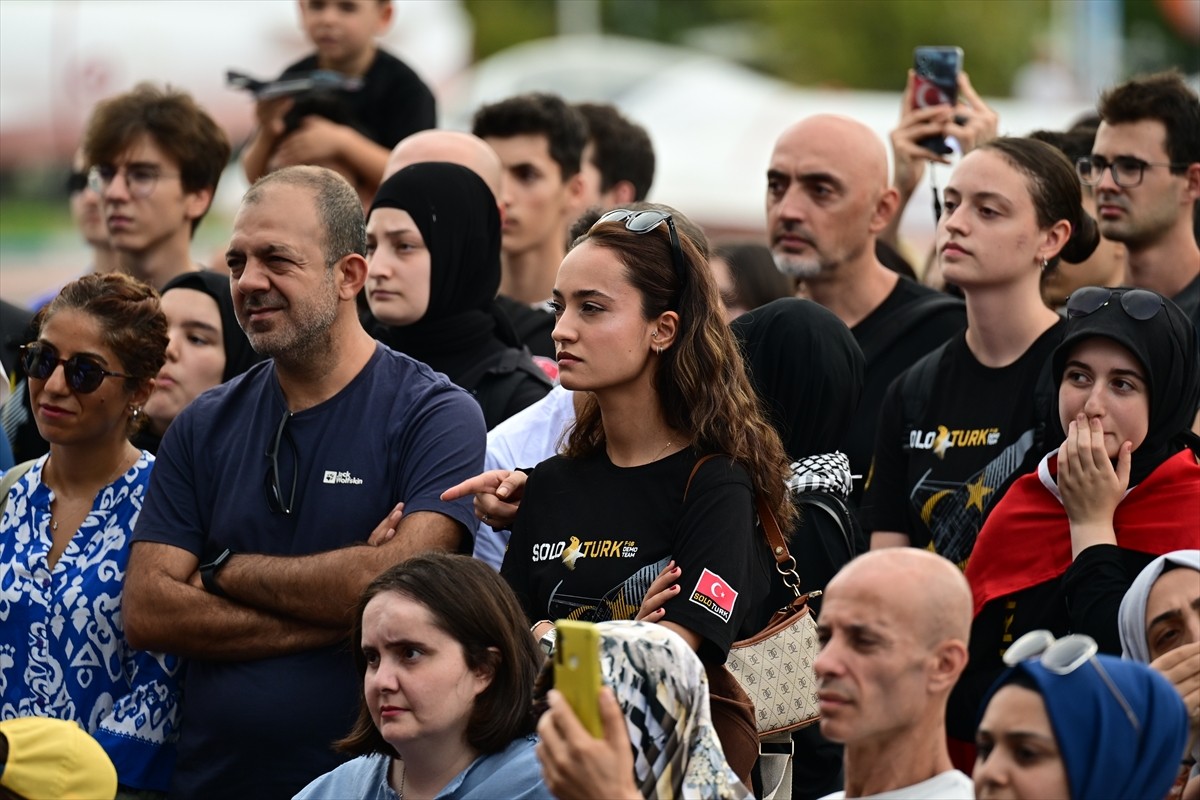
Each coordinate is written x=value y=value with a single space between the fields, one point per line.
x=714 y=594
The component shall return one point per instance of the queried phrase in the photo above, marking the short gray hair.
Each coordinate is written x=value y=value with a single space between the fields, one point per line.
x=338 y=207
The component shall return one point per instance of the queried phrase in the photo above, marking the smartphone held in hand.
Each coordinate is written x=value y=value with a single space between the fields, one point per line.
x=936 y=83
x=577 y=671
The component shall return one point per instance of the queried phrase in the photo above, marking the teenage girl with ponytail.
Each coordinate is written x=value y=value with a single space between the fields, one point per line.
x=974 y=415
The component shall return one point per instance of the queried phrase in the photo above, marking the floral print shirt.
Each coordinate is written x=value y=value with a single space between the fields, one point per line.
x=63 y=652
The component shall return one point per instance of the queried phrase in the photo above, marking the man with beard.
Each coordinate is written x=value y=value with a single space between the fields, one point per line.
x=893 y=630
x=1145 y=172
x=828 y=198
x=263 y=522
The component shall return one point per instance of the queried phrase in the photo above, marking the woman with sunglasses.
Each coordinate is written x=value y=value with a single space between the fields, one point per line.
x=1067 y=541
x=65 y=533
x=433 y=246
x=1063 y=722
x=640 y=327
x=971 y=417
x=207 y=347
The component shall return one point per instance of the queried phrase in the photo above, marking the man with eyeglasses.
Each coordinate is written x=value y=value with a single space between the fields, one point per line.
x=154 y=157
x=274 y=500
x=1145 y=173
x=893 y=631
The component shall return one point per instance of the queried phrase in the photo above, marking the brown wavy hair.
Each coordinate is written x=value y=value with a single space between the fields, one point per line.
x=475 y=606
x=701 y=379
x=132 y=323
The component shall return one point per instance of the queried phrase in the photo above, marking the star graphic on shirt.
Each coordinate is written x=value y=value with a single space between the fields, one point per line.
x=977 y=492
x=572 y=553
x=942 y=442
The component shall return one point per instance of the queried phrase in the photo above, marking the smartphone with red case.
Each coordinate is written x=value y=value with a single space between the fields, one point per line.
x=936 y=83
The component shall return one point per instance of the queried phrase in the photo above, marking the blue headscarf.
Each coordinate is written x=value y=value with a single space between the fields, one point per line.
x=1103 y=755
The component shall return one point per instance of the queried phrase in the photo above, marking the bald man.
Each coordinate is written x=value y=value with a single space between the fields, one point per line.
x=894 y=627
x=828 y=198
x=456 y=147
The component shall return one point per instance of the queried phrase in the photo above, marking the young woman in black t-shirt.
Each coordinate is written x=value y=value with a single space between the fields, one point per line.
x=640 y=328
x=975 y=414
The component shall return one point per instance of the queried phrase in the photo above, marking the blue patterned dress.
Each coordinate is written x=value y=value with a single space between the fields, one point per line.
x=63 y=652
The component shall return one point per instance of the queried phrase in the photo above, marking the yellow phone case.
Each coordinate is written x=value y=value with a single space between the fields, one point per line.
x=577 y=671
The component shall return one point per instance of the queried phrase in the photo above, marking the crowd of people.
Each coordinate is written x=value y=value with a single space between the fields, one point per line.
x=302 y=524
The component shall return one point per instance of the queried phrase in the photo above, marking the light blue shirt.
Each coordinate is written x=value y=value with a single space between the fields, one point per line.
x=513 y=773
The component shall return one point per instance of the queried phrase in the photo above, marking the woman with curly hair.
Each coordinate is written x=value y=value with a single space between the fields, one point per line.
x=631 y=495
x=66 y=528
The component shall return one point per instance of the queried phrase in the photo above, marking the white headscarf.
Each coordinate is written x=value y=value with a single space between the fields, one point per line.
x=1131 y=619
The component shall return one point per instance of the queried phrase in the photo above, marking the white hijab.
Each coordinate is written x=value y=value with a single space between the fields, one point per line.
x=1131 y=619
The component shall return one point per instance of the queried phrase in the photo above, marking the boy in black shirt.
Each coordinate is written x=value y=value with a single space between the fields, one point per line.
x=392 y=103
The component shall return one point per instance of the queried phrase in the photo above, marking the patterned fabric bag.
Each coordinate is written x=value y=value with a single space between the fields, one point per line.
x=775 y=666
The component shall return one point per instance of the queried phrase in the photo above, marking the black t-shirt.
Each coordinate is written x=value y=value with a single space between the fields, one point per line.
x=1188 y=301
x=393 y=102
x=936 y=477
x=591 y=537
x=532 y=325
x=1085 y=599
x=901 y=354
x=505 y=383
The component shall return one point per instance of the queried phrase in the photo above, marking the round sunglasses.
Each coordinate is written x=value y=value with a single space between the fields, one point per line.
x=1139 y=304
x=84 y=373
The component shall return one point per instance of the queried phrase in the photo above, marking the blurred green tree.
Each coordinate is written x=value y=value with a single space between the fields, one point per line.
x=857 y=44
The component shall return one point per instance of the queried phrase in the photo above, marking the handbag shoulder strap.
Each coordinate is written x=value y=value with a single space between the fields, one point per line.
x=766 y=518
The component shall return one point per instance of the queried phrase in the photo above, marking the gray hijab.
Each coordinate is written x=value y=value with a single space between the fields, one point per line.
x=1131 y=619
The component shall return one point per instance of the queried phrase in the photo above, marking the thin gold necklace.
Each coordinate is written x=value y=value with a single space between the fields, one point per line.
x=660 y=453
x=120 y=471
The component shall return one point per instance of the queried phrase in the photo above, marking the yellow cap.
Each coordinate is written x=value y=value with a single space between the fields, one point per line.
x=55 y=758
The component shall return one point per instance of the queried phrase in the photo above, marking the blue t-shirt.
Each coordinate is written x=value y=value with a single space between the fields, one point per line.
x=513 y=773
x=397 y=432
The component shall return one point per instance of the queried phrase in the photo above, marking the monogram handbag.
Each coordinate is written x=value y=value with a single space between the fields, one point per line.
x=775 y=666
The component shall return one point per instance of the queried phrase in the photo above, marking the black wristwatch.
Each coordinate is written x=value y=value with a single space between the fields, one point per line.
x=208 y=573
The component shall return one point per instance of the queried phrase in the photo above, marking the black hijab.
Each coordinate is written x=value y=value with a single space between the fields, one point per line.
x=457 y=216
x=1165 y=345
x=806 y=368
x=239 y=355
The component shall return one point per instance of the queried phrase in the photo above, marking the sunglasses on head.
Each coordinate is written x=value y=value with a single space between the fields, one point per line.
x=1139 y=304
x=84 y=373
x=1064 y=656
x=643 y=221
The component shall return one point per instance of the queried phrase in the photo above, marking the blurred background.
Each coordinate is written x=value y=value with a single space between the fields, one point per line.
x=713 y=81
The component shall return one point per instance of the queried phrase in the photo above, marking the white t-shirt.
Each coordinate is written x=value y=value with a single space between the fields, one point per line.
x=525 y=439
x=949 y=785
